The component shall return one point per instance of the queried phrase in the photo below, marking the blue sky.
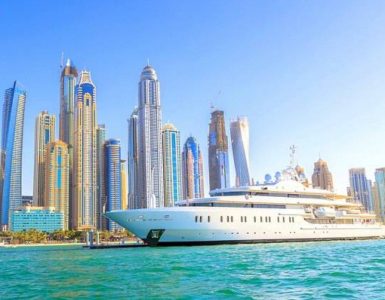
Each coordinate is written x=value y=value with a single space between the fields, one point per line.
x=309 y=73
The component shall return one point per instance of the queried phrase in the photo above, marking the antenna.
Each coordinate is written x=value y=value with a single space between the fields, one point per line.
x=148 y=62
x=62 y=60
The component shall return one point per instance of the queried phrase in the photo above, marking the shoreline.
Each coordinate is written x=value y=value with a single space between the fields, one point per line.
x=40 y=245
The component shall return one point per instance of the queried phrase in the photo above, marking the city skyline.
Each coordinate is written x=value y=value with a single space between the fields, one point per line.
x=316 y=77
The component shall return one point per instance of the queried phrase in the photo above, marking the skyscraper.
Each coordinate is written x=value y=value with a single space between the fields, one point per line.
x=172 y=165
x=44 y=134
x=150 y=164
x=376 y=200
x=322 y=178
x=239 y=131
x=57 y=179
x=68 y=78
x=218 y=152
x=192 y=170
x=100 y=173
x=360 y=187
x=123 y=190
x=113 y=178
x=85 y=159
x=133 y=161
x=11 y=150
x=380 y=184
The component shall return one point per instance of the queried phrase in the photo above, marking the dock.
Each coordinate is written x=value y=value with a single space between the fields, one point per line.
x=93 y=244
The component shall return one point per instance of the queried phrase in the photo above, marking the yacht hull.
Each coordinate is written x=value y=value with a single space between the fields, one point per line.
x=227 y=225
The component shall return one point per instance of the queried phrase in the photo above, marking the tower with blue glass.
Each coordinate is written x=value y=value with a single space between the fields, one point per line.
x=113 y=178
x=172 y=166
x=192 y=170
x=361 y=188
x=11 y=151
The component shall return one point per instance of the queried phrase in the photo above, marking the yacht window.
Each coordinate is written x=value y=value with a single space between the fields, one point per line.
x=269 y=219
x=255 y=219
x=245 y=219
x=265 y=219
x=261 y=219
x=231 y=219
x=208 y=219
x=228 y=219
x=200 y=219
x=196 y=219
x=277 y=219
x=241 y=219
x=283 y=219
x=221 y=219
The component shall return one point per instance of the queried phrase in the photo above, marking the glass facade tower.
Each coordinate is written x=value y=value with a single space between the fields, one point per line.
x=11 y=151
x=172 y=165
x=192 y=170
x=113 y=179
x=361 y=188
x=133 y=161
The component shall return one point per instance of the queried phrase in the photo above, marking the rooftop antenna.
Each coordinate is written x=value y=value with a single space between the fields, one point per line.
x=62 y=60
x=148 y=62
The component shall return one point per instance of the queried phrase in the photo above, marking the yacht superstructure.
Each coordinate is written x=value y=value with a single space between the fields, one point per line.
x=279 y=212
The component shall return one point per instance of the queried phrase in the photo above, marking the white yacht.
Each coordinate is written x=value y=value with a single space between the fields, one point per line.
x=280 y=212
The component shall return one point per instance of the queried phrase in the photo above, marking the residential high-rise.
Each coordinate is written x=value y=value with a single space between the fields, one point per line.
x=322 y=178
x=101 y=196
x=239 y=131
x=133 y=162
x=150 y=163
x=68 y=78
x=219 y=172
x=192 y=170
x=57 y=166
x=113 y=178
x=85 y=159
x=11 y=151
x=172 y=165
x=360 y=188
x=380 y=184
x=44 y=134
x=123 y=190
x=376 y=200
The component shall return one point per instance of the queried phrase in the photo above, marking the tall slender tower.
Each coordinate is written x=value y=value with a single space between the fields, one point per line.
x=133 y=161
x=361 y=188
x=113 y=178
x=239 y=131
x=192 y=170
x=85 y=159
x=218 y=152
x=57 y=179
x=101 y=198
x=11 y=150
x=123 y=190
x=322 y=178
x=172 y=165
x=44 y=134
x=150 y=164
x=66 y=120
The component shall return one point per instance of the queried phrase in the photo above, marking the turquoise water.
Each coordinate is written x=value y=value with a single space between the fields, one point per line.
x=352 y=270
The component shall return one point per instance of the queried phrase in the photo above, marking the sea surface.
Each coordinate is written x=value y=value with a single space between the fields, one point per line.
x=319 y=270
